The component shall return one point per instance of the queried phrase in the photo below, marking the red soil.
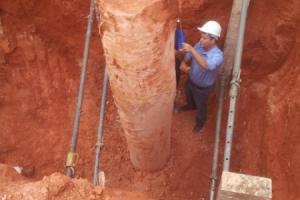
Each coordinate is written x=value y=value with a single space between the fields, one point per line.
x=41 y=46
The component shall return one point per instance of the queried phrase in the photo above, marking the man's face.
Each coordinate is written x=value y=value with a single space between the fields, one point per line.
x=207 y=41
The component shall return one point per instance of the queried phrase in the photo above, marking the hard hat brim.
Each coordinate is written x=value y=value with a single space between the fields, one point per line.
x=203 y=31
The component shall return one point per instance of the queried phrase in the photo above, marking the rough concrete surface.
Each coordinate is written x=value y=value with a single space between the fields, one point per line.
x=244 y=187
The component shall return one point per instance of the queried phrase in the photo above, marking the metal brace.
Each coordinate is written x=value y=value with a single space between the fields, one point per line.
x=99 y=144
x=235 y=85
x=72 y=159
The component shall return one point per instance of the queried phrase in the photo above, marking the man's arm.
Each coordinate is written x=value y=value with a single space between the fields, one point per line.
x=199 y=59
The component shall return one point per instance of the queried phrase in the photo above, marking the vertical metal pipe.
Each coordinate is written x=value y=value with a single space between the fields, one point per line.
x=229 y=50
x=70 y=169
x=99 y=143
x=217 y=136
x=235 y=86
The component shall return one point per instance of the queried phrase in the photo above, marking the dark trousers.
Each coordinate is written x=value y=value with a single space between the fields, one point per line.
x=197 y=98
x=178 y=72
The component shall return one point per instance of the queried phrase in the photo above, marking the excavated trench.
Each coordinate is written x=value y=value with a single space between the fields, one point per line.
x=41 y=45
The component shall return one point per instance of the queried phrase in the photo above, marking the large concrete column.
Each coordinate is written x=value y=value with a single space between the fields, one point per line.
x=137 y=38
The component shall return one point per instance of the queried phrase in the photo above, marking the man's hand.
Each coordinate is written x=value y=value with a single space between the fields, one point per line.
x=199 y=59
x=187 y=47
x=184 y=67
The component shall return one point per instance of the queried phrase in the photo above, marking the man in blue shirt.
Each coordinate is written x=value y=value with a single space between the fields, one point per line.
x=206 y=59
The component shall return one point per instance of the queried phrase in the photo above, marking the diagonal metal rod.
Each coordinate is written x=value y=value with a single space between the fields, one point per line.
x=229 y=50
x=235 y=86
x=73 y=146
x=99 y=143
x=213 y=177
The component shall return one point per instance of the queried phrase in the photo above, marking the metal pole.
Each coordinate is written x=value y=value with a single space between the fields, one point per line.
x=235 y=86
x=229 y=50
x=72 y=156
x=99 y=143
x=217 y=137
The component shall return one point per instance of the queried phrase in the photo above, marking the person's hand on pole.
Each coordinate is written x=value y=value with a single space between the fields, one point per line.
x=184 y=67
x=187 y=47
x=199 y=59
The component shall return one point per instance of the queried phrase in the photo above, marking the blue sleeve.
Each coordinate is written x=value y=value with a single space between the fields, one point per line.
x=214 y=61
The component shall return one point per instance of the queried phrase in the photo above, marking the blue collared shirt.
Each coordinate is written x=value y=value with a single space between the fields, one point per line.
x=205 y=77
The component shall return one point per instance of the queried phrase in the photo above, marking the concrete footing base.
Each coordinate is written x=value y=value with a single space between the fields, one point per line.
x=236 y=186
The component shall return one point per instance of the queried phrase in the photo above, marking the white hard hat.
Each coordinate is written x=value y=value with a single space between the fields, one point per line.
x=211 y=27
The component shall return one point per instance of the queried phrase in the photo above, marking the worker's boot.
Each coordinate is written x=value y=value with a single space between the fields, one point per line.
x=198 y=128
